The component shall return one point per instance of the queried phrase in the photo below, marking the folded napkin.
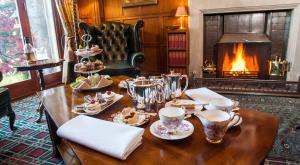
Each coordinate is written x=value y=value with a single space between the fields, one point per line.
x=202 y=95
x=113 y=139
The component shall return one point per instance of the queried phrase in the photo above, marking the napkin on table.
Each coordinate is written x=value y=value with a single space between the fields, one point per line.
x=202 y=95
x=113 y=139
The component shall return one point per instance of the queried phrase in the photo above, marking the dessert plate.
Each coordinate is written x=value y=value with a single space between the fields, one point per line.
x=185 y=130
x=195 y=108
x=82 y=112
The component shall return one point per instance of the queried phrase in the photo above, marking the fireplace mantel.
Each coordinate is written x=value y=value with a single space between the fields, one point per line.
x=199 y=8
x=249 y=8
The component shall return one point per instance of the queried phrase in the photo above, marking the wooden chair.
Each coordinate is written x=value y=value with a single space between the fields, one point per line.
x=5 y=106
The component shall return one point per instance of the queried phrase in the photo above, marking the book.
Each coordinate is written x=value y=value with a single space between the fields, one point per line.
x=176 y=41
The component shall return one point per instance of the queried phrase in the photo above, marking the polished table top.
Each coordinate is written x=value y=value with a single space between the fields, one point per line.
x=39 y=64
x=248 y=143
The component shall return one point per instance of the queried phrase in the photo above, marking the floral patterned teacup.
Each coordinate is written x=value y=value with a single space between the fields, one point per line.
x=171 y=118
x=215 y=124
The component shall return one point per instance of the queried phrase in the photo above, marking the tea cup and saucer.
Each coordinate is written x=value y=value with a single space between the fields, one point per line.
x=171 y=124
x=227 y=105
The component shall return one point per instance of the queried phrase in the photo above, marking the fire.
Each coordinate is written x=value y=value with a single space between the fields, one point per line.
x=240 y=61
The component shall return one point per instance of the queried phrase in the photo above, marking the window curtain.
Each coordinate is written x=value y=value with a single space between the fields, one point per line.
x=67 y=10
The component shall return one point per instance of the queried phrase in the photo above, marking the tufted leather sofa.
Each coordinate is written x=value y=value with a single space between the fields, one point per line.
x=5 y=106
x=121 y=46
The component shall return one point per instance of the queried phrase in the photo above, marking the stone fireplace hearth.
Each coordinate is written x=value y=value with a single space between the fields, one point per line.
x=200 y=8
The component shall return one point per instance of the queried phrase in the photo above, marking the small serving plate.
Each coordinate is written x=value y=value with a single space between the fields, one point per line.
x=80 y=111
x=142 y=119
x=184 y=130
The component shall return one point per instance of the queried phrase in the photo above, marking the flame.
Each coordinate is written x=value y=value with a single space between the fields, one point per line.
x=241 y=62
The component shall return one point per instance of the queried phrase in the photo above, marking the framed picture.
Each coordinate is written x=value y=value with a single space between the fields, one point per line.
x=129 y=3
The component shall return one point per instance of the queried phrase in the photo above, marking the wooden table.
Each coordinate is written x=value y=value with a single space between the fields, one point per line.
x=249 y=143
x=39 y=65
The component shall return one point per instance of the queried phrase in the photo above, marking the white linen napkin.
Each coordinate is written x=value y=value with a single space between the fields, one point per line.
x=117 y=140
x=202 y=95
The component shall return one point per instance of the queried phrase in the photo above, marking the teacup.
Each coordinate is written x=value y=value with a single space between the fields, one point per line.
x=221 y=104
x=215 y=124
x=171 y=118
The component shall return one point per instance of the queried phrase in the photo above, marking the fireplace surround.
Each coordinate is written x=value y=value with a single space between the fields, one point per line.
x=242 y=44
x=199 y=8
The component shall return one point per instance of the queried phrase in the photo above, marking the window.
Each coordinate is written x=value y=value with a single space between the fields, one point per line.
x=11 y=43
x=42 y=30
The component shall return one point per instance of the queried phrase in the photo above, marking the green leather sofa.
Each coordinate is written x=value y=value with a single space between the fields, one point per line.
x=5 y=106
x=121 y=46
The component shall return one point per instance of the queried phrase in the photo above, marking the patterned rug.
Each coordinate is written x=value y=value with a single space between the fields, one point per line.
x=286 y=149
x=31 y=143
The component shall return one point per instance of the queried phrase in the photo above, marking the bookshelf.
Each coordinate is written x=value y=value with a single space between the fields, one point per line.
x=178 y=51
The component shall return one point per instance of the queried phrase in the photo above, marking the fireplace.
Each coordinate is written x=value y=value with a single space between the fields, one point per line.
x=243 y=56
x=242 y=45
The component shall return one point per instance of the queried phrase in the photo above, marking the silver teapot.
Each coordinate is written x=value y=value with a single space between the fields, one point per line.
x=145 y=92
x=173 y=85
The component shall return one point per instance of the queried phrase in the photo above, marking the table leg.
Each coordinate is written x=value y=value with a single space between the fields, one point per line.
x=42 y=87
x=12 y=116
x=41 y=112
x=52 y=131
x=42 y=81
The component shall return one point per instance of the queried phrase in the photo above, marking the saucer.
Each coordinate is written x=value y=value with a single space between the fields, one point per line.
x=185 y=130
x=235 y=106
x=183 y=102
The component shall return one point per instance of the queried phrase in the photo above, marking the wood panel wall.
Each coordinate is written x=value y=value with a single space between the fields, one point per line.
x=156 y=18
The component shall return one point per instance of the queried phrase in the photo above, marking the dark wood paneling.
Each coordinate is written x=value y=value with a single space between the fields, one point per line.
x=157 y=18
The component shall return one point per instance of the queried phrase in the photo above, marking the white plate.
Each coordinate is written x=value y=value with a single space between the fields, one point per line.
x=185 y=130
x=235 y=107
x=186 y=102
x=142 y=120
x=117 y=98
x=108 y=83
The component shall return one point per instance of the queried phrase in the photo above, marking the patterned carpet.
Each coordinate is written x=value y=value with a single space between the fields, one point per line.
x=31 y=143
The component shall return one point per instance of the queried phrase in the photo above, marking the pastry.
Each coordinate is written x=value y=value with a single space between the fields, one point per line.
x=78 y=66
x=83 y=68
x=109 y=96
x=92 y=106
x=186 y=106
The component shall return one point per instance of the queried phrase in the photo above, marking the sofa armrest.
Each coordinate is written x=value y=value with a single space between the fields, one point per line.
x=137 y=58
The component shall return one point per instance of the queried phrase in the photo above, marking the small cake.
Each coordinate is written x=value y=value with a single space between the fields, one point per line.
x=92 y=106
x=90 y=66
x=109 y=96
x=102 y=102
x=98 y=64
x=78 y=66
x=83 y=68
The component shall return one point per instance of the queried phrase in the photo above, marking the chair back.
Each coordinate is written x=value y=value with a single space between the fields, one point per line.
x=118 y=40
